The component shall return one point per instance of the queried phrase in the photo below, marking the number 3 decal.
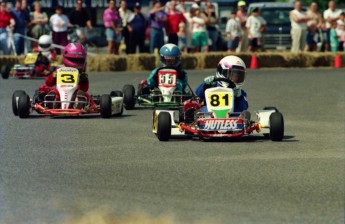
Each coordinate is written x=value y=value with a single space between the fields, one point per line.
x=67 y=78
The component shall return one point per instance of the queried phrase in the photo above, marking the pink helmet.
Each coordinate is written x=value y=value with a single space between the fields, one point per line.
x=75 y=56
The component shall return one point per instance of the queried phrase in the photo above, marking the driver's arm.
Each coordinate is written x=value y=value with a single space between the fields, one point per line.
x=152 y=79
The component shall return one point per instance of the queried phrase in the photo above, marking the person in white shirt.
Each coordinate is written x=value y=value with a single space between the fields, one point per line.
x=233 y=30
x=331 y=15
x=298 y=28
x=126 y=16
x=255 y=27
x=59 y=23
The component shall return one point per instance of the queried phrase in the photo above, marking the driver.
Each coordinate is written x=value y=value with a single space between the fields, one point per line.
x=75 y=57
x=170 y=57
x=232 y=68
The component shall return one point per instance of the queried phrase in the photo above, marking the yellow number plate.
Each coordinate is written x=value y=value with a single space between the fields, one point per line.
x=30 y=59
x=219 y=99
x=64 y=78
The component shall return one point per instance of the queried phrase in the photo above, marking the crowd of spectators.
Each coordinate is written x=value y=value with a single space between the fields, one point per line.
x=193 y=28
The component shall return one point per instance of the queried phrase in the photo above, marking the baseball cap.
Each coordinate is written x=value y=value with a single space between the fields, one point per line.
x=241 y=3
x=195 y=6
x=137 y=5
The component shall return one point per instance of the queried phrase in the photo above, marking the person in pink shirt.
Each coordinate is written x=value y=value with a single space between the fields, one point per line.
x=111 y=20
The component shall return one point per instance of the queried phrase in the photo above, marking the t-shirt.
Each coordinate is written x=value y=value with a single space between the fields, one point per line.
x=138 y=24
x=332 y=14
x=5 y=18
x=233 y=27
x=110 y=16
x=254 y=24
x=340 y=27
x=174 y=19
x=295 y=25
x=79 y=17
x=21 y=18
x=59 y=22
x=197 y=27
x=154 y=23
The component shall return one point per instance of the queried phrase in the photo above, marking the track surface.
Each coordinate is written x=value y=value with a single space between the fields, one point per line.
x=56 y=168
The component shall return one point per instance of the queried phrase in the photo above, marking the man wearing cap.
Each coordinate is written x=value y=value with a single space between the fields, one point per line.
x=175 y=17
x=5 y=20
x=80 y=17
x=157 y=20
x=137 y=27
x=242 y=16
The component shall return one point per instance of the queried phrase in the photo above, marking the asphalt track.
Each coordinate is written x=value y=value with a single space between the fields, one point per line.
x=57 y=169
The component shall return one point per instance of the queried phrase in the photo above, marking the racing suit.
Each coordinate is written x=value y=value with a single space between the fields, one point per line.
x=240 y=102
x=182 y=78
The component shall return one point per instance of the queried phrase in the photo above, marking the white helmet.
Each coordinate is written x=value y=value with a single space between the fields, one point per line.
x=44 y=43
x=232 y=68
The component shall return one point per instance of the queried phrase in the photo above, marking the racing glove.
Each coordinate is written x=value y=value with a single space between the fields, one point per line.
x=209 y=80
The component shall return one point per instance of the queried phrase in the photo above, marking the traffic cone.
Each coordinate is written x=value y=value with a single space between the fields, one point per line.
x=254 y=62
x=337 y=61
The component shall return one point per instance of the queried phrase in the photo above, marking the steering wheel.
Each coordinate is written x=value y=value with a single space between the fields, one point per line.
x=231 y=83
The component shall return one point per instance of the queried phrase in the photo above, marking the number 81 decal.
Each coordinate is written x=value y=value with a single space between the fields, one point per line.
x=219 y=99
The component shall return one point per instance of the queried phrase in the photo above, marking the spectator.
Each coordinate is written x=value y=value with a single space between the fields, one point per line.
x=80 y=17
x=126 y=15
x=182 y=37
x=137 y=27
x=333 y=37
x=233 y=30
x=312 y=25
x=112 y=22
x=342 y=39
x=322 y=38
x=6 y=19
x=340 y=29
x=21 y=18
x=331 y=15
x=255 y=27
x=39 y=21
x=174 y=18
x=199 y=35
x=59 y=23
x=298 y=28
x=211 y=25
x=157 y=21
x=242 y=16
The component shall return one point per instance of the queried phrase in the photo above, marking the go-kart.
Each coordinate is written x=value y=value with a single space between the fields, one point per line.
x=220 y=120
x=34 y=64
x=163 y=96
x=67 y=102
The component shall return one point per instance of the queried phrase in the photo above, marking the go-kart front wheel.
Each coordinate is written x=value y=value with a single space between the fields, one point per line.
x=5 y=71
x=24 y=106
x=105 y=106
x=164 y=126
x=117 y=93
x=276 y=126
x=129 y=97
x=15 y=98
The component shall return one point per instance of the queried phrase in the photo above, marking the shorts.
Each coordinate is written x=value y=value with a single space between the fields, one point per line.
x=254 y=42
x=182 y=42
x=111 y=35
x=199 y=39
x=233 y=44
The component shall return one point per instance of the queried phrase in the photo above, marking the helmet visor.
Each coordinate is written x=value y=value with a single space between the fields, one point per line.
x=79 y=61
x=170 y=60
x=44 y=45
x=237 y=75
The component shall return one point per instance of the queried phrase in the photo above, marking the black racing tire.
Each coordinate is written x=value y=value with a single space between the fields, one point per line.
x=180 y=115
x=5 y=71
x=276 y=126
x=116 y=93
x=164 y=126
x=105 y=106
x=24 y=106
x=129 y=97
x=16 y=94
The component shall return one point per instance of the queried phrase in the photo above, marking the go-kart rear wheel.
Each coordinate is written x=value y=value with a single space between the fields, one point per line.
x=105 y=106
x=15 y=98
x=164 y=126
x=24 y=106
x=5 y=71
x=128 y=97
x=276 y=126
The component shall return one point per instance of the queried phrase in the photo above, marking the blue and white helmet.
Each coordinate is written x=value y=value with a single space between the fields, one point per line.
x=170 y=55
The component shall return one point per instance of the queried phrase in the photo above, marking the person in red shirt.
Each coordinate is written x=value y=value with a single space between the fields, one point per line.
x=175 y=17
x=5 y=20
